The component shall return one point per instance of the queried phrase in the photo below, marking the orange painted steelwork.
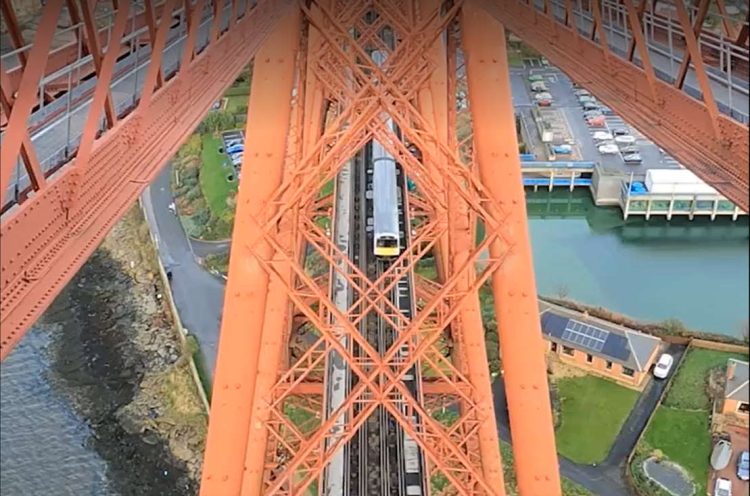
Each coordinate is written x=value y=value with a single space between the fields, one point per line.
x=281 y=458
x=48 y=237
x=317 y=99
x=712 y=145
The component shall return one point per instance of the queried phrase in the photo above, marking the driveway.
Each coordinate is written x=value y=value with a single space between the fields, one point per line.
x=739 y=438
x=606 y=478
x=198 y=295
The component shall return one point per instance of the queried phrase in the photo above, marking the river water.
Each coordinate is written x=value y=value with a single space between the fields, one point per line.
x=695 y=271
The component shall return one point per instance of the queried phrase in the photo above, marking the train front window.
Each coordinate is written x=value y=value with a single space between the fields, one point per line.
x=387 y=242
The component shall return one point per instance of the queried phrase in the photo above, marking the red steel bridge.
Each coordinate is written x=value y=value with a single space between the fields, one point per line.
x=97 y=96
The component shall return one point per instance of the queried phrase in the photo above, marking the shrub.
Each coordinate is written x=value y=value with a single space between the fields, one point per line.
x=191 y=148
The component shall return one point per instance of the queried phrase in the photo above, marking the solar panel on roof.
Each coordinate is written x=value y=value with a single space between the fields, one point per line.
x=585 y=335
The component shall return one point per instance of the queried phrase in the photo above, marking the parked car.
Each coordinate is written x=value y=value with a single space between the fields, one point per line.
x=235 y=149
x=632 y=158
x=237 y=159
x=608 y=149
x=535 y=77
x=743 y=466
x=625 y=139
x=607 y=111
x=582 y=92
x=544 y=102
x=543 y=96
x=721 y=454
x=597 y=122
x=723 y=487
x=588 y=114
x=539 y=86
x=620 y=131
x=588 y=106
x=628 y=150
x=586 y=98
x=562 y=149
x=663 y=366
x=233 y=142
x=602 y=136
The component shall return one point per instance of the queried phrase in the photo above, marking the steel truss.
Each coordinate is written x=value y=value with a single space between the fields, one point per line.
x=711 y=143
x=47 y=238
x=340 y=102
x=316 y=100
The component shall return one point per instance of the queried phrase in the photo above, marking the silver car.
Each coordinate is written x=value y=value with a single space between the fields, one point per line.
x=743 y=466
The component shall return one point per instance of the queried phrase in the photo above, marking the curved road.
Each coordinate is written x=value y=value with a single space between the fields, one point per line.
x=198 y=295
x=199 y=298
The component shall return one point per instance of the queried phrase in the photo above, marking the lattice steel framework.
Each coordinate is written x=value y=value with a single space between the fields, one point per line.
x=316 y=100
x=253 y=447
x=577 y=36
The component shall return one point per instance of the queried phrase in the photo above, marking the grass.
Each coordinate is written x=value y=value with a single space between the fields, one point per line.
x=688 y=391
x=213 y=176
x=218 y=262
x=515 y=59
x=327 y=189
x=592 y=412
x=683 y=437
x=569 y=488
x=681 y=427
x=234 y=102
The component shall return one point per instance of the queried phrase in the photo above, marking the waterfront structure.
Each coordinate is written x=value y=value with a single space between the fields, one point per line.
x=737 y=389
x=623 y=355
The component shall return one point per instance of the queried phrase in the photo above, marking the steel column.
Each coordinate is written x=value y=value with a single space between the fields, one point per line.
x=248 y=283
x=522 y=347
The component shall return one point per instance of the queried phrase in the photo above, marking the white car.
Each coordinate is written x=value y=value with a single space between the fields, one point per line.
x=625 y=139
x=663 y=366
x=609 y=149
x=543 y=96
x=723 y=487
x=602 y=136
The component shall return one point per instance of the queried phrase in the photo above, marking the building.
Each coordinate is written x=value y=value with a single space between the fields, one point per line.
x=606 y=349
x=736 y=389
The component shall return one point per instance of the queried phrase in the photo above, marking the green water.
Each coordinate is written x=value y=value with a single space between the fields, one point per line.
x=694 y=271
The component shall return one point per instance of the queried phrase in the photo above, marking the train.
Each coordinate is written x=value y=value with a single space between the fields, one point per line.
x=387 y=242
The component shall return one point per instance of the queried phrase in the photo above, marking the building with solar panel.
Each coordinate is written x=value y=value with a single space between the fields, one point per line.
x=601 y=347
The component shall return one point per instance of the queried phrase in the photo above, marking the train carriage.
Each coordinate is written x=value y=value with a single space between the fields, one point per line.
x=385 y=203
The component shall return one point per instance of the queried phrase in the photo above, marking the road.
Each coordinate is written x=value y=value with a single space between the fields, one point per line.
x=606 y=478
x=198 y=295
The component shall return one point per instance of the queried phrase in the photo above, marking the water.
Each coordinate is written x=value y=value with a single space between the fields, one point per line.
x=695 y=271
x=44 y=442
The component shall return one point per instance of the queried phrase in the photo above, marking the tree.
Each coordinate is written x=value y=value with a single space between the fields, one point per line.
x=217 y=121
x=562 y=291
x=191 y=148
x=674 y=326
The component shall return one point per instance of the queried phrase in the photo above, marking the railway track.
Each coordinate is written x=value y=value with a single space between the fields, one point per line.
x=384 y=460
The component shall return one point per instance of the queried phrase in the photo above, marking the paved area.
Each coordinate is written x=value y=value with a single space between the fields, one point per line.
x=740 y=442
x=669 y=476
x=198 y=295
x=567 y=120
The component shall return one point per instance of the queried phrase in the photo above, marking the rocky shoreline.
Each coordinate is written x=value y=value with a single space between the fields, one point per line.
x=118 y=362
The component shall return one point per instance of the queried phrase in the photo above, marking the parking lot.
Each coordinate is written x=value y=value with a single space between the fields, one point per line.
x=739 y=439
x=233 y=140
x=567 y=120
